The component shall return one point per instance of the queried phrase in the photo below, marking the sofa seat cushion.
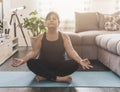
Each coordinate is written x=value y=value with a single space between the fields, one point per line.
x=88 y=37
x=118 y=48
x=109 y=42
x=75 y=39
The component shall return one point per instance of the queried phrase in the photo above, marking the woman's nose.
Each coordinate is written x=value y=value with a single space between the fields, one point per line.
x=51 y=19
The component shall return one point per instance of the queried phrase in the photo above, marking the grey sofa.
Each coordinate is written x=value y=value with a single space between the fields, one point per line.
x=98 y=44
x=109 y=51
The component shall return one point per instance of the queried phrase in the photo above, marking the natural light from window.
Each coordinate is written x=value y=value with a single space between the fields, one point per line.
x=65 y=8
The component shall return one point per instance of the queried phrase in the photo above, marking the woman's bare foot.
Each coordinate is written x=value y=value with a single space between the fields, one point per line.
x=39 y=78
x=67 y=79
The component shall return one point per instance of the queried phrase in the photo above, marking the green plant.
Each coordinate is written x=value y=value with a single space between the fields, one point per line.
x=34 y=23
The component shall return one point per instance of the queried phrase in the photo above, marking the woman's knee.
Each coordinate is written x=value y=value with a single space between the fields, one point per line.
x=74 y=65
x=30 y=63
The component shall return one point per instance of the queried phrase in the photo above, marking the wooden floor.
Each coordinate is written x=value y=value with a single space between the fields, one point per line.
x=22 y=51
x=59 y=89
x=6 y=66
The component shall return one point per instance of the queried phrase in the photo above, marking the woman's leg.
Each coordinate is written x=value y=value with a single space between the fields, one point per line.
x=39 y=68
x=60 y=73
x=65 y=69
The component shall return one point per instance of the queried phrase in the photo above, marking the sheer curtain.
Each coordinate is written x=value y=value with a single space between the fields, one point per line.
x=66 y=10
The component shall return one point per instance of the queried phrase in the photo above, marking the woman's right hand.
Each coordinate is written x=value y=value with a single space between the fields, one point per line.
x=85 y=63
x=17 y=62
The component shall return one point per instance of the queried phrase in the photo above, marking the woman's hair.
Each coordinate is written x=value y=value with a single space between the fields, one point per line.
x=50 y=13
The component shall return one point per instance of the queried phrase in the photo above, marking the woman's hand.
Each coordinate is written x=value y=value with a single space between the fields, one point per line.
x=85 y=63
x=17 y=62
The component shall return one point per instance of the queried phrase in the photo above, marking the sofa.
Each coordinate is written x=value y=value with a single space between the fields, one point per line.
x=91 y=40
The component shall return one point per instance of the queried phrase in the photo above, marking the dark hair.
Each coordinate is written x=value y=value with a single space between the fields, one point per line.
x=50 y=13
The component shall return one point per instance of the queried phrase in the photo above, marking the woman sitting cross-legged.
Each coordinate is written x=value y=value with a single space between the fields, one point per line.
x=51 y=47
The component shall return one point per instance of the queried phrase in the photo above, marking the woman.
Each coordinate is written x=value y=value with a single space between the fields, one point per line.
x=51 y=47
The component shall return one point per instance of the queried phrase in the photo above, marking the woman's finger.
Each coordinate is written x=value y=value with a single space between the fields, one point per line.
x=83 y=67
x=87 y=67
x=90 y=66
x=15 y=63
x=86 y=61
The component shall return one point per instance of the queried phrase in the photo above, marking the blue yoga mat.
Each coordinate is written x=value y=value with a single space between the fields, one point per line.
x=80 y=79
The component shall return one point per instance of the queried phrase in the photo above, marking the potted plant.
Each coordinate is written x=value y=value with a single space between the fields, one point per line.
x=34 y=23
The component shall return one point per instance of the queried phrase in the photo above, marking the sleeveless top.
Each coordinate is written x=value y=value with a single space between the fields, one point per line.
x=52 y=51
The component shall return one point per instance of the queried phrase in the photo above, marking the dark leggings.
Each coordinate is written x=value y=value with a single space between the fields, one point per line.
x=50 y=70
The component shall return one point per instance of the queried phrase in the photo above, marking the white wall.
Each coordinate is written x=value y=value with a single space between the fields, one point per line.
x=30 y=6
x=6 y=9
x=13 y=4
x=6 y=13
x=103 y=6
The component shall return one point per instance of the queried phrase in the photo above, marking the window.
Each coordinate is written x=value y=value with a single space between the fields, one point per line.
x=66 y=10
x=117 y=4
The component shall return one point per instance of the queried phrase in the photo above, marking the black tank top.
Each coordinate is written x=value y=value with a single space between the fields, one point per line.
x=52 y=50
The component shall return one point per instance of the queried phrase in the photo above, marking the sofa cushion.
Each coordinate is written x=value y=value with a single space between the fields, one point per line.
x=102 y=40
x=88 y=37
x=112 y=44
x=109 y=42
x=75 y=38
x=99 y=37
x=86 y=22
x=101 y=19
x=118 y=48
x=112 y=23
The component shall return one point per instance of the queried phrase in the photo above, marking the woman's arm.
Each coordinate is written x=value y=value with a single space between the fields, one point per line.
x=36 y=49
x=32 y=54
x=85 y=63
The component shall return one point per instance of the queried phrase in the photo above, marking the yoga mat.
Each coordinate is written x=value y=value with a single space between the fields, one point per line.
x=80 y=79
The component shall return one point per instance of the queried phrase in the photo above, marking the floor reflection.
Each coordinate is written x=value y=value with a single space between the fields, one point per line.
x=54 y=89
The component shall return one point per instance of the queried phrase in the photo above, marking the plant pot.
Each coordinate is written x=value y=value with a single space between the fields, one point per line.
x=33 y=38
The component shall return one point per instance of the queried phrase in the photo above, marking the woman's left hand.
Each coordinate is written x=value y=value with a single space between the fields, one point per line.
x=85 y=63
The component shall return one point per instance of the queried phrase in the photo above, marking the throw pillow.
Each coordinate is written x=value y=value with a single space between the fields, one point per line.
x=118 y=21
x=85 y=21
x=112 y=23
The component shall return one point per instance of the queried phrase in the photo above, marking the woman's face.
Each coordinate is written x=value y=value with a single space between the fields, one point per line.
x=52 y=21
